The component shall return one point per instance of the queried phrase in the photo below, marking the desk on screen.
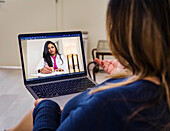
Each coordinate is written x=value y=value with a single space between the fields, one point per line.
x=50 y=74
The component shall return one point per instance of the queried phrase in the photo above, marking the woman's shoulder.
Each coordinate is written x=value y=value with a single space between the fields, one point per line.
x=42 y=59
x=136 y=90
x=110 y=104
x=133 y=90
x=117 y=97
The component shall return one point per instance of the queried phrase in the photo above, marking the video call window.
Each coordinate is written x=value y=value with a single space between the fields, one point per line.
x=63 y=55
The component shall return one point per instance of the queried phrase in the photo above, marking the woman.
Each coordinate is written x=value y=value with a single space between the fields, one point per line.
x=138 y=35
x=52 y=60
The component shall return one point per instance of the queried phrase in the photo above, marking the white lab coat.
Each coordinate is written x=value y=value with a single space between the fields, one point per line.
x=59 y=64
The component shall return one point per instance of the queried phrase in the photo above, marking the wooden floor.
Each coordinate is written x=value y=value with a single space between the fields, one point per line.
x=15 y=100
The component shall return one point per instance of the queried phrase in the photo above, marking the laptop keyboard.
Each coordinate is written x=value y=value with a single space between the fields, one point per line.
x=62 y=88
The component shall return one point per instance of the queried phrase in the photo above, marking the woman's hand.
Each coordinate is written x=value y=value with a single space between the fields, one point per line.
x=46 y=70
x=38 y=100
x=41 y=99
x=109 y=66
x=59 y=69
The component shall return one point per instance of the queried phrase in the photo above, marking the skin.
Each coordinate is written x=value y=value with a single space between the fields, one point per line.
x=52 y=50
x=59 y=69
x=109 y=66
x=113 y=66
x=47 y=69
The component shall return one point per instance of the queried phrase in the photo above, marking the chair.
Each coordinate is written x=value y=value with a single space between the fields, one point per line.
x=101 y=50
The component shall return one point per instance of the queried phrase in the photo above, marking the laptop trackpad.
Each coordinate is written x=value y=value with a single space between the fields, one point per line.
x=62 y=100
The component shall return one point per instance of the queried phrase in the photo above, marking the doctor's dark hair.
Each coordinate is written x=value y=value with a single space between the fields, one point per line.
x=46 y=54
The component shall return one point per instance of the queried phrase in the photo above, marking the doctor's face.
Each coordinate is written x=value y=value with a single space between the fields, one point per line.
x=51 y=49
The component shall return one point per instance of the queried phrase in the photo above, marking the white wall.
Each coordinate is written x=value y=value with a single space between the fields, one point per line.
x=84 y=15
x=20 y=16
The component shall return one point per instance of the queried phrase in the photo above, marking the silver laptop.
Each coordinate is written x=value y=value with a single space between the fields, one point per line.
x=68 y=75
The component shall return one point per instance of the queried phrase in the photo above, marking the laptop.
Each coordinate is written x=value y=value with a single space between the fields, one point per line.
x=71 y=59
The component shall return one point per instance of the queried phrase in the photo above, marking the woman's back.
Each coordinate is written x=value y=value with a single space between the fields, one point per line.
x=116 y=109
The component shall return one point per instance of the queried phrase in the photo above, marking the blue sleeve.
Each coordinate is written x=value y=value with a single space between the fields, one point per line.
x=46 y=116
x=85 y=117
x=79 y=120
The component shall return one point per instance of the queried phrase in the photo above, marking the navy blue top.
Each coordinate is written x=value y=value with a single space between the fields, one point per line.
x=107 y=110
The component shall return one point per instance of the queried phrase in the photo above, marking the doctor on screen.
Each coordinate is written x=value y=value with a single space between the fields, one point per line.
x=52 y=60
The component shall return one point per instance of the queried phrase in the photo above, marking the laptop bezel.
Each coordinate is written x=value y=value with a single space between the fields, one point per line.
x=52 y=78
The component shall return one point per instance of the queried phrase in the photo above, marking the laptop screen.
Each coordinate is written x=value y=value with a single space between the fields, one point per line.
x=51 y=55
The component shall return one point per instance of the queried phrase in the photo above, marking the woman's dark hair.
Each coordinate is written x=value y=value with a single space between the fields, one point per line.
x=46 y=54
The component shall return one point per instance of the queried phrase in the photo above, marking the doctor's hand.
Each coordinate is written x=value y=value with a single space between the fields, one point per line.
x=59 y=69
x=46 y=70
x=109 y=66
